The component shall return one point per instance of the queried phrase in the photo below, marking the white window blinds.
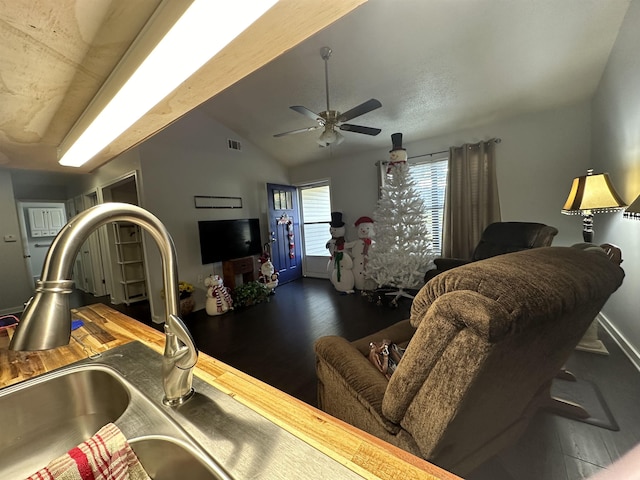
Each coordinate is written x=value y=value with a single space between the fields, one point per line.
x=430 y=182
x=316 y=214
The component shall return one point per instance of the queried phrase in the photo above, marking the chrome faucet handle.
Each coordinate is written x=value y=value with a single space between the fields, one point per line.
x=180 y=357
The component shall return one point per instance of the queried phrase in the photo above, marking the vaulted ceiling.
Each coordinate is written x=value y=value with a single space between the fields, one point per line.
x=436 y=66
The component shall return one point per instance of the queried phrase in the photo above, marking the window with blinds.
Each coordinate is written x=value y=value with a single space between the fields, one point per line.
x=316 y=215
x=430 y=181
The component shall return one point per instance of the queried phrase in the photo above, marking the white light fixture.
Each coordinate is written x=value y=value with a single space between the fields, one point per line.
x=204 y=29
x=329 y=136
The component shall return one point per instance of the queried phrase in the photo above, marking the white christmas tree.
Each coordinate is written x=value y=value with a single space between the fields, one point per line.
x=403 y=248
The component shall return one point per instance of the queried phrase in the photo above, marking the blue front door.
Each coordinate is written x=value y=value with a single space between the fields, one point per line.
x=284 y=231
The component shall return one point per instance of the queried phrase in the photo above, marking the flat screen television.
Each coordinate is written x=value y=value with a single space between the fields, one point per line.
x=222 y=240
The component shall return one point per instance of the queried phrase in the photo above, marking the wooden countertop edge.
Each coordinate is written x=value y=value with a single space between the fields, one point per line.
x=359 y=451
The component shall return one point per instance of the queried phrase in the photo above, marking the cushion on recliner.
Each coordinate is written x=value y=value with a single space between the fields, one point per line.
x=512 y=282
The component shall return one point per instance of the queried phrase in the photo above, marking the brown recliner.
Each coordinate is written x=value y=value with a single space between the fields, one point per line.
x=499 y=238
x=484 y=341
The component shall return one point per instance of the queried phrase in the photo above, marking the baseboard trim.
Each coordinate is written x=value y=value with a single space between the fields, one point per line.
x=12 y=310
x=622 y=342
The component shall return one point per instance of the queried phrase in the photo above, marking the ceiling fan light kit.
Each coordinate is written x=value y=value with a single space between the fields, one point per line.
x=330 y=120
x=329 y=137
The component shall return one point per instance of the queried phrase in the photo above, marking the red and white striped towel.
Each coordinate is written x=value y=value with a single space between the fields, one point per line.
x=105 y=456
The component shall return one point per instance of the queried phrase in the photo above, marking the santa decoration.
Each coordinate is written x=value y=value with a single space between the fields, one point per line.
x=268 y=274
x=360 y=252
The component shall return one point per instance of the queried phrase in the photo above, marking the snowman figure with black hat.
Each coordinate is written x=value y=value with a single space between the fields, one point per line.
x=397 y=154
x=340 y=263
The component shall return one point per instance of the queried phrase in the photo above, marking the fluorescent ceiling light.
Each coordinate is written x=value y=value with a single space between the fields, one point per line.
x=200 y=33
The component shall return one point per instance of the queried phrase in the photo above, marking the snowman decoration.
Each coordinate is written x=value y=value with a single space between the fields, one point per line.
x=218 y=299
x=340 y=265
x=397 y=155
x=337 y=231
x=360 y=251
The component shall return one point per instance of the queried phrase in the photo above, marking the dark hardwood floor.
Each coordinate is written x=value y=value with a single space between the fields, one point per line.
x=274 y=342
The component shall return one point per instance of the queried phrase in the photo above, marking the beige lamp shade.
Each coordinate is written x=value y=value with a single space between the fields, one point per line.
x=593 y=194
x=633 y=212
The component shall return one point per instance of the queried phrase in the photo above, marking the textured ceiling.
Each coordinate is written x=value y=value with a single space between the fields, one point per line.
x=437 y=66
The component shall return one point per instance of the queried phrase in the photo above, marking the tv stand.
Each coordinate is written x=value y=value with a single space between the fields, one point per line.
x=237 y=266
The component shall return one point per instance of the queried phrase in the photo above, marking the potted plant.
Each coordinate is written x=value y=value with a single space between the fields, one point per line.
x=187 y=303
x=250 y=293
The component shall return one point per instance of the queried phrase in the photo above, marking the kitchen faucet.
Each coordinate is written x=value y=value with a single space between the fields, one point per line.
x=46 y=320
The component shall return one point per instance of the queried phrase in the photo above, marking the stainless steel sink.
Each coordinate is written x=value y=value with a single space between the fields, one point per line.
x=166 y=458
x=211 y=436
x=47 y=416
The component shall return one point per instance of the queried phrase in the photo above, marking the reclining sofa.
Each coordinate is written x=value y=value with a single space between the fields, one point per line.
x=484 y=341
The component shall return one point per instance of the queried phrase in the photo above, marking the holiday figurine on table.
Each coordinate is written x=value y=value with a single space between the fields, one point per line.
x=340 y=264
x=268 y=274
x=218 y=299
x=360 y=252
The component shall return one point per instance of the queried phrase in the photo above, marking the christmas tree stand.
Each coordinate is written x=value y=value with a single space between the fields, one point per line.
x=398 y=294
x=381 y=296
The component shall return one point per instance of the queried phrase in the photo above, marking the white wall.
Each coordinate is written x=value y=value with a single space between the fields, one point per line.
x=189 y=158
x=538 y=157
x=616 y=149
x=15 y=285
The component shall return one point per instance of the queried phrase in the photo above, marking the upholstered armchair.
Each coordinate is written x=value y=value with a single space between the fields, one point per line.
x=484 y=342
x=499 y=238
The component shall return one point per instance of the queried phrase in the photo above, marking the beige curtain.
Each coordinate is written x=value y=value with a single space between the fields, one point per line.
x=471 y=201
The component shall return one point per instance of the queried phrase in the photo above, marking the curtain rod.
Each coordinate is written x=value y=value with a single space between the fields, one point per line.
x=496 y=140
x=427 y=154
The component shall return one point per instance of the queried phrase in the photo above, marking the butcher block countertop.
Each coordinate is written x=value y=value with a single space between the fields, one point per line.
x=105 y=328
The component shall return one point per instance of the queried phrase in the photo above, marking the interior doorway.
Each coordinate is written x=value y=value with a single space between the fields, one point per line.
x=125 y=245
x=92 y=259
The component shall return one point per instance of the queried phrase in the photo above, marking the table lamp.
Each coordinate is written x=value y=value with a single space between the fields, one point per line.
x=592 y=194
x=633 y=211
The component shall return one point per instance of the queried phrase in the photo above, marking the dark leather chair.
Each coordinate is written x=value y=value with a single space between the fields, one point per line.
x=497 y=239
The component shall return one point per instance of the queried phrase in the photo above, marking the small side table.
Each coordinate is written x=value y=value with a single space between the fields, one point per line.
x=245 y=266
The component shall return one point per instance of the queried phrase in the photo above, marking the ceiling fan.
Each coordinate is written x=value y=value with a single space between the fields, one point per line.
x=330 y=120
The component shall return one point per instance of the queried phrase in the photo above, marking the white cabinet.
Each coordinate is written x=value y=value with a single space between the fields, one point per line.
x=46 y=221
x=130 y=259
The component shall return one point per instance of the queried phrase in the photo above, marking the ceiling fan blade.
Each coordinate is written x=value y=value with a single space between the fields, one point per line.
x=300 y=130
x=308 y=113
x=359 y=129
x=361 y=109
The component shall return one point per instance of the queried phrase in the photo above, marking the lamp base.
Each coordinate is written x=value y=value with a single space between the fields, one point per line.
x=590 y=341
x=587 y=228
